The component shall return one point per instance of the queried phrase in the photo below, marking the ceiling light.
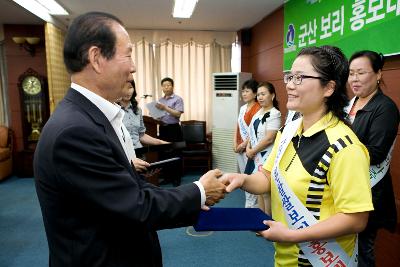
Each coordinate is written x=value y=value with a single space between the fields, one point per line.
x=42 y=8
x=53 y=7
x=184 y=8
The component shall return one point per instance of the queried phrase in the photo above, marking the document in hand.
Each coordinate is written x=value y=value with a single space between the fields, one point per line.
x=155 y=112
x=232 y=219
x=162 y=163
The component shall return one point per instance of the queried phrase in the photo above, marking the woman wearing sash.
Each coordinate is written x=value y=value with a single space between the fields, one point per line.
x=262 y=132
x=317 y=172
x=241 y=136
x=375 y=120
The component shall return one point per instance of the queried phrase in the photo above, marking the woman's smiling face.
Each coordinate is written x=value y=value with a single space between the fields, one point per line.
x=308 y=96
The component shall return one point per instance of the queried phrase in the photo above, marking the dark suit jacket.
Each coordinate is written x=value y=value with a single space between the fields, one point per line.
x=97 y=210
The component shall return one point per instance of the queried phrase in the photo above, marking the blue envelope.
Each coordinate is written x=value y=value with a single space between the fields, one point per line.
x=232 y=219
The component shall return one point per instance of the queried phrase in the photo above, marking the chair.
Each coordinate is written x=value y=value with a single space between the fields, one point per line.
x=151 y=125
x=197 y=153
x=6 y=146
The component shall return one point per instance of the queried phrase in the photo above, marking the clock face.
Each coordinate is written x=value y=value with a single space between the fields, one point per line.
x=31 y=85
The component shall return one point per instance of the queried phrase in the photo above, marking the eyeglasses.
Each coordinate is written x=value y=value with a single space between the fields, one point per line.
x=298 y=78
x=359 y=75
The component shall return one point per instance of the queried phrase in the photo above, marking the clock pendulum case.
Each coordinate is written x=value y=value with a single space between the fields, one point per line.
x=33 y=92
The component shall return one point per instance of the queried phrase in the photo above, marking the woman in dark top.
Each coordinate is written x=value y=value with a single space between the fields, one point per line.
x=375 y=119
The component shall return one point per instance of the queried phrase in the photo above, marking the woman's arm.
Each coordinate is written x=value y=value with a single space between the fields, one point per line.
x=238 y=148
x=353 y=206
x=338 y=225
x=256 y=183
x=234 y=140
x=268 y=139
x=271 y=129
x=148 y=140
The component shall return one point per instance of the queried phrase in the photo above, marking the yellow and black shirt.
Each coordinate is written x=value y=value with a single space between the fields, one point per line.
x=327 y=167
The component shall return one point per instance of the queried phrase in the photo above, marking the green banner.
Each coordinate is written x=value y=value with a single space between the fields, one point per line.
x=351 y=25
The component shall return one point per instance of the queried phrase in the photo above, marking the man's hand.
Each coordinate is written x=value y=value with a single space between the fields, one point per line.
x=215 y=190
x=140 y=165
x=232 y=181
x=161 y=106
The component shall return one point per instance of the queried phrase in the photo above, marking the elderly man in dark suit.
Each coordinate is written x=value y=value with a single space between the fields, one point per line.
x=97 y=210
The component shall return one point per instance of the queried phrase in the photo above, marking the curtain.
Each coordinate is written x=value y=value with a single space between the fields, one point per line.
x=190 y=65
x=3 y=88
x=58 y=77
x=147 y=74
x=182 y=37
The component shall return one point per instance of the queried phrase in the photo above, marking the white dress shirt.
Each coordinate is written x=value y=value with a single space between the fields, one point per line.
x=114 y=114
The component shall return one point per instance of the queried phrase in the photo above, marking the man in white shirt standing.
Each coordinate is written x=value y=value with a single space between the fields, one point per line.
x=97 y=211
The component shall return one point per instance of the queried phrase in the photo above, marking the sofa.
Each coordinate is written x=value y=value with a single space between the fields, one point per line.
x=6 y=146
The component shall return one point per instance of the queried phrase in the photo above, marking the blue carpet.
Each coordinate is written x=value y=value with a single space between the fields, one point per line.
x=22 y=237
x=239 y=248
x=23 y=241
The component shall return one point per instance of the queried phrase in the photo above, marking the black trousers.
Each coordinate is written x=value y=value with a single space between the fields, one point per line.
x=173 y=172
x=366 y=242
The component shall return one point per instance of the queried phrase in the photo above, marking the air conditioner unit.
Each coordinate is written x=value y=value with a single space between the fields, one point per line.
x=226 y=104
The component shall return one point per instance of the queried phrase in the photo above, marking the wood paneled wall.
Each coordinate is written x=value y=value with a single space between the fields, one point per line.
x=264 y=59
x=264 y=56
x=18 y=61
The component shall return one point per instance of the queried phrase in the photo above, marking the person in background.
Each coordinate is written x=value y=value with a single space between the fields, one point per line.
x=133 y=118
x=241 y=136
x=96 y=209
x=262 y=132
x=317 y=172
x=375 y=120
x=170 y=129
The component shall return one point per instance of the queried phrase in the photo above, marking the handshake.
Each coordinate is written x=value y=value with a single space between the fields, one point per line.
x=216 y=185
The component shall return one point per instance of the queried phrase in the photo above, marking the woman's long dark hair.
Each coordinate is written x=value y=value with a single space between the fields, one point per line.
x=133 y=98
x=332 y=65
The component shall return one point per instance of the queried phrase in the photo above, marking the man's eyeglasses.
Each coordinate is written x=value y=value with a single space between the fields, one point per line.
x=359 y=75
x=297 y=78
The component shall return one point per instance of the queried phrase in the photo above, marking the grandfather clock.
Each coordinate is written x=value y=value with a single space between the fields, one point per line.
x=35 y=112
